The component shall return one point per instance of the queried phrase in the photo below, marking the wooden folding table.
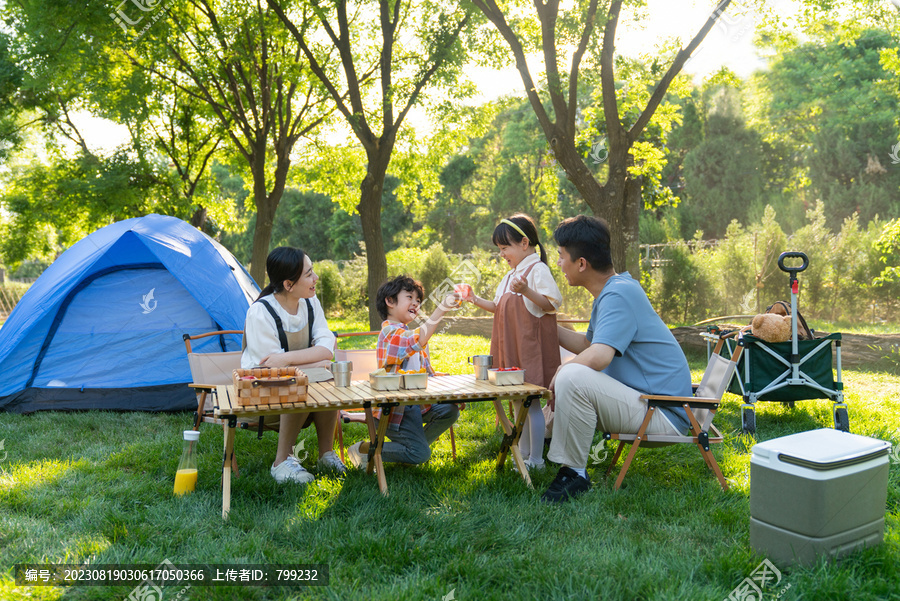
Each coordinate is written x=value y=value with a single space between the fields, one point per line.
x=325 y=396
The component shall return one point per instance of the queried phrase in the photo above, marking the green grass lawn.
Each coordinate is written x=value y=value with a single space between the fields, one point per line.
x=97 y=486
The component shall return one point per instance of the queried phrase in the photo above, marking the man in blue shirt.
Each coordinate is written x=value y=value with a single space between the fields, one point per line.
x=627 y=351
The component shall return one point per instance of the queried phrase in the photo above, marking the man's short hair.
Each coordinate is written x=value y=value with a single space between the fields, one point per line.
x=588 y=237
x=392 y=288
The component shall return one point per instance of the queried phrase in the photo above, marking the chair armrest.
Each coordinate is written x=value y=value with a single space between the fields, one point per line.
x=203 y=386
x=678 y=400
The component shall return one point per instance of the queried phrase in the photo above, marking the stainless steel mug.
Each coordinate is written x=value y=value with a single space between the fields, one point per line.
x=342 y=371
x=482 y=364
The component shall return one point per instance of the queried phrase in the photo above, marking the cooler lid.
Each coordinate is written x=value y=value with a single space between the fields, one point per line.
x=823 y=449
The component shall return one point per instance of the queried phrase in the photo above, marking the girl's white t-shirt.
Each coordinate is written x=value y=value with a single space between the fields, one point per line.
x=261 y=334
x=539 y=279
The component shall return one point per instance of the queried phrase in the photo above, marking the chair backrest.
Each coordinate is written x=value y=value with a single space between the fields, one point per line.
x=716 y=377
x=213 y=368
x=565 y=356
x=364 y=361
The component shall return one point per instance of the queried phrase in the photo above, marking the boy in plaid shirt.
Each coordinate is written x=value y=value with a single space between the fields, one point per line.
x=412 y=430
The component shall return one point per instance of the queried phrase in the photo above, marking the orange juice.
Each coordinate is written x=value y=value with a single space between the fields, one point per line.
x=185 y=480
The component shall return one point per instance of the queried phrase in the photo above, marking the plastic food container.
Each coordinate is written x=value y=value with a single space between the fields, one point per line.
x=414 y=381
x=506 y=378
x=383 y=381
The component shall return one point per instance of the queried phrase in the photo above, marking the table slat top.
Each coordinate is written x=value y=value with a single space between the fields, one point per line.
x=325 y=395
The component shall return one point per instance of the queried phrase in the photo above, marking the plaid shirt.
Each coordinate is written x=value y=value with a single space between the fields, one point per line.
x=396 y=345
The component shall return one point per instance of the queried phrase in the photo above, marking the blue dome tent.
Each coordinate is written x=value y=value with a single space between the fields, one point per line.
x=102 y=327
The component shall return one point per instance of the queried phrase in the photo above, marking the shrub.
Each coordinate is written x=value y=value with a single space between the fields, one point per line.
x=887 y=266
x=330 y=286
x=405 y=261
x=683 y=291
x=10 y=294
x=354 y=293
x=435 y=268
x=490 y=268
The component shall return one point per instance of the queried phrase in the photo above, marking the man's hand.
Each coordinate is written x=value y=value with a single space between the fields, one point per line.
x=552 y=387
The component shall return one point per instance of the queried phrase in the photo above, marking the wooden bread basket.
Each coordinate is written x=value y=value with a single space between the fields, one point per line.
x=270 y=386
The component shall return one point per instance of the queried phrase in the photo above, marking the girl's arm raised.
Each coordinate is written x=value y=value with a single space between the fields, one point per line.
x=483 y=303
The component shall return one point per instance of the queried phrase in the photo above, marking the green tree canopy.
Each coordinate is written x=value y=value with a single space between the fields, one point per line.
x=835 y=107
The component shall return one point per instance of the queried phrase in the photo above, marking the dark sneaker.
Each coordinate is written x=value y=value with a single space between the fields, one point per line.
x=567 y=485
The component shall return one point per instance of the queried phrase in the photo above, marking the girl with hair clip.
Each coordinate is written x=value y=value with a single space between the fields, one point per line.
x=524 y=308
x=286 y=326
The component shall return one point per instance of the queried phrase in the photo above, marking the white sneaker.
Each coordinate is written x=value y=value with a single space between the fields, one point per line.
x=530 y=465
x=290 y=470
x=330 y=462
x=359 y=460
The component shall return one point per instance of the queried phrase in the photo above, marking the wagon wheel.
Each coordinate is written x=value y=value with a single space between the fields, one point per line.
x=841 y=419
x=748 y=419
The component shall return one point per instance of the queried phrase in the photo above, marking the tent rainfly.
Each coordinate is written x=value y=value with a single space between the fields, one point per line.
x=102 y=327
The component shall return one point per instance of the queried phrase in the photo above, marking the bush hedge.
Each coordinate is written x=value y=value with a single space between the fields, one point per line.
x=853 y=274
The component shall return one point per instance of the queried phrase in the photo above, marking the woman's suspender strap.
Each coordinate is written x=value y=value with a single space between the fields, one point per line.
x=282 y=337
x=309 y=322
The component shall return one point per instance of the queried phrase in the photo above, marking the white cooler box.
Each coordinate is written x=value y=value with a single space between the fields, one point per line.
x=817 y=493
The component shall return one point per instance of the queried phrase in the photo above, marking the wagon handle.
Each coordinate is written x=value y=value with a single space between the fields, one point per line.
x=793 y=270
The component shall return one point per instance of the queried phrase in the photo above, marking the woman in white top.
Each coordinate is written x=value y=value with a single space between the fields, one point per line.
x=286 y=327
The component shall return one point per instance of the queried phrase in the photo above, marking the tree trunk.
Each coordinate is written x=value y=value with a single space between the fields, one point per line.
x=267 y=203
x=619 y=202
x=632 y=206
x=198 y=219
x=369 y=208
x=266 y=206
x=262 y=236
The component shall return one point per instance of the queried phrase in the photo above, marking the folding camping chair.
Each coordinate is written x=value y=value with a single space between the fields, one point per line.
x=211 y=369
x=700 y=410
x=789 y=371
x=364 y=362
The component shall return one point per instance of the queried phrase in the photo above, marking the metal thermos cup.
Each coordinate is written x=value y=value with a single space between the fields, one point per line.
x=342 y=371
x=482 y=364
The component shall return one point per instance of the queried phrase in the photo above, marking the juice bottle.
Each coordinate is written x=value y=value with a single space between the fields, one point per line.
x=186 y=475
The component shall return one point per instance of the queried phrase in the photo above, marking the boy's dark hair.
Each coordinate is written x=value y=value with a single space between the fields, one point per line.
x=588 y=237
x=393 y=287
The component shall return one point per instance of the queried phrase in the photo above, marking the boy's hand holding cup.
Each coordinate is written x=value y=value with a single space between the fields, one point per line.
x=451 y=301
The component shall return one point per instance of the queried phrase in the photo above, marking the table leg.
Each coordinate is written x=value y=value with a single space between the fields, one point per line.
x=521 y=414
x=511 y=440
x=226 y=465
x=376 y=462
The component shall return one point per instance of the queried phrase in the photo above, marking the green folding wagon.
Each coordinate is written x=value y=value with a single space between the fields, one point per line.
x=790 y=371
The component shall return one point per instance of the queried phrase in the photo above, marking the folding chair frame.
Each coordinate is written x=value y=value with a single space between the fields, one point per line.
x=205 y=389
x=702 y=438
x=700 y=433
